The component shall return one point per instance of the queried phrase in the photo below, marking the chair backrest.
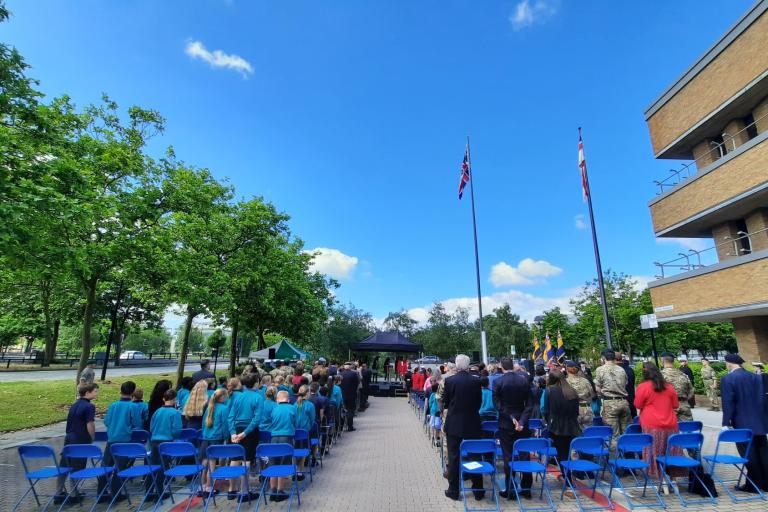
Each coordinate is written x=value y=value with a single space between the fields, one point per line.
x=603 y=431
x=300 y=435
x=100 y=436
x=690 y=426
x=478 y=446
x=689 y=441
x=538 y=445
x=225 y=451
x=270 y=450
x=37 y=452
x=188 y=434
x=535 y=424
x=636 y=420
x=490 y=425
x=634 y=428
x=177 y=449
x=140 y=436
x=633 y=443
x=128 y=450
x=597 y=421
x=81 y=451
x=735 y=435
x=581 y=444
x=265 y=436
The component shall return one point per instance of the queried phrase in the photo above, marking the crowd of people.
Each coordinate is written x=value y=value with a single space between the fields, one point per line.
x=322 y=399
x=568 y=398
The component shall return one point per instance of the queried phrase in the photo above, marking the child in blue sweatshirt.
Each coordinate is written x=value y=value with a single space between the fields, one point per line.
x=119 y=421
x=215 y=431
x=284 y=417
x=487 y=411
x=244 y=416
x=265 y=422
x=435 y=421
x=305 y=420
x=141 y=408
x=165 y=426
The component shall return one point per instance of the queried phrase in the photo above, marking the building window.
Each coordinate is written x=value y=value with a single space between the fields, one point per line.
x=743 y=242
x=751 y=126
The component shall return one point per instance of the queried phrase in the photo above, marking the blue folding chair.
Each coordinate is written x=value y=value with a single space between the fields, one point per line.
x=581 y=446
x=301 y=437
x=489 y=428
x=597 y=421
x=188 y=434
x=689 y=426
x=314 y=441
x=170 y=455
x=31 y=456
x=227 y=453
x=265 y=437
x=635 y=421
x=633 y=444
x=94 y=454
x=478 y=448
x=132 y=452
x=677 y=443
x=143 y=437
x=537 y=450
x=634 y=428
x=536 y=425
x=100 y=437
x=604 y=432
x=277 y=451
x=741 y=435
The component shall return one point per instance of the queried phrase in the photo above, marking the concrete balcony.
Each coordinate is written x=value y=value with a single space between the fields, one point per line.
x=734 y=288
x=727 y=189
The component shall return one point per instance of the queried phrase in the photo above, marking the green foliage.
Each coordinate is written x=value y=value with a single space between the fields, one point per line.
x=216 y=340
x=345 y=326
x=148 y=340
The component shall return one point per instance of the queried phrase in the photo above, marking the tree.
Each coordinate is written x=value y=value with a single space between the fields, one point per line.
x=148 y=341
x=401 y=322
x=504 y=329
x=345 y=326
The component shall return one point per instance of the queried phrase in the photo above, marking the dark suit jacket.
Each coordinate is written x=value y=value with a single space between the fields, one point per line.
x=512 y=397
x=462 y=398
x=743 y=400
x=349 y=383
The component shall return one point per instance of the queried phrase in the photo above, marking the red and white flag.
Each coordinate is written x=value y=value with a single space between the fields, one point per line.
x=464 y=172
x=583 y=167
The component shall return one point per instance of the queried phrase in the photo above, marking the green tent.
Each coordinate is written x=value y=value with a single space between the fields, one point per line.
x=283 y=350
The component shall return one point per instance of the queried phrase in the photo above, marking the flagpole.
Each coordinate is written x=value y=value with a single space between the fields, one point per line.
x=483 y=342
x=601 y=285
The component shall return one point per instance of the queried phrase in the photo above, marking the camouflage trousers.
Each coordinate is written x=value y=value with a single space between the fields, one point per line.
x=713 y=394
x=617 y=416
x=585 y=416
x=684 y=411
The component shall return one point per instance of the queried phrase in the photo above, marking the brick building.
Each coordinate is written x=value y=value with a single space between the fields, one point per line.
x=716 y=114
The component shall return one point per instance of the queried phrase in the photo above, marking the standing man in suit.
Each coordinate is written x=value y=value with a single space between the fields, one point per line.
x=462 y=397
x=350 y=381
x=512 y=398
x=743 y=397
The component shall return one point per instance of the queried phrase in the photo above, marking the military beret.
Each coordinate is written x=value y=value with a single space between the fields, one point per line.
x=571 y=364
x=668 y=354
x=734 y=359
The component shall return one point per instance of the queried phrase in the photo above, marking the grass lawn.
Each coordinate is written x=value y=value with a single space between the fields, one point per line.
x=33 y=404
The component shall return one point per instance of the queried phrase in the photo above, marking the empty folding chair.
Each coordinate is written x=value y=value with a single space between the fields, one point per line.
x=633 y=444
x=227 y=453
x=479 y=449
x=171 y=454
x=674 y=458
x=301 y=450
x=689 y=426
x=88 y=452
x=489 y=428
x=278 y=452
x=601 y=455
x=31 y=458
x=634 y=428
x=579 y=447
x=741 y=435
x=188 y=434
x=535 y=463
x=536 y=426
x=131 y=453
x=315 y=443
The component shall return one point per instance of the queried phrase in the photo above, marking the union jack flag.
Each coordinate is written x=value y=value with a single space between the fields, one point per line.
x=583 y=167
x=464 y=172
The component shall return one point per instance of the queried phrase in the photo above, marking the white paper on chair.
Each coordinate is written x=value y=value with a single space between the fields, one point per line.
x=472 y=465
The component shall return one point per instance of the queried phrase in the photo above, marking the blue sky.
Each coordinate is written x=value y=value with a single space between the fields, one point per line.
x=351 y=116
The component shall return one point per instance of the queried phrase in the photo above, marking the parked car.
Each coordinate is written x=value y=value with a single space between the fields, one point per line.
x=133 y=354
x=428 y=360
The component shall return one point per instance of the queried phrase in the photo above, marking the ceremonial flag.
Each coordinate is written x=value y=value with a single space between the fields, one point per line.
x=464 y=172
x=560 y=347
x=549 y=354
x=583 y=167
x=536 y=349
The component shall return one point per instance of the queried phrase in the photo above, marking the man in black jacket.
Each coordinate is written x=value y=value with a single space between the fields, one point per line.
x=512 y=398
x=365 y=391
x=350 y=381
x=624 y=363
x=462 y=398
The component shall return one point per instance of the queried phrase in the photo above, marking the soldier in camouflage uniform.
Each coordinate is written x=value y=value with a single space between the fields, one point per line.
x=584 y=390
x=611 y=384
x=709 y=377
x=682 y=386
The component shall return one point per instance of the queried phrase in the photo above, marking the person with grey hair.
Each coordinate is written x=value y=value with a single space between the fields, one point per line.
x=462 y=398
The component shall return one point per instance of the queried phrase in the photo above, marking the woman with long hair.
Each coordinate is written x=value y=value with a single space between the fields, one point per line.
x=193 y=410
x=215 y=431
x=656 y=400
x=305 y=420
x=156 y=399
x=561 y=412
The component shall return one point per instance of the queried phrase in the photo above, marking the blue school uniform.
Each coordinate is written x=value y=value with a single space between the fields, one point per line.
x=265 y=422
x=486 y=407
x=305 y=418
x=165 y=424
x=140 y=413
x=181 y=398
x=336 y=397
x=119 y=421
x=434 y=407
x=284 y=420
x=219 y=430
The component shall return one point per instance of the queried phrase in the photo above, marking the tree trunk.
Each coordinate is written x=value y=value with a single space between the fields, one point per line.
x=90 y=305
x=233 y=346
x=184 y=346
x=50 y=349
x=55 y=338
x=119 y=339
x=262 y=343
x=112 y=331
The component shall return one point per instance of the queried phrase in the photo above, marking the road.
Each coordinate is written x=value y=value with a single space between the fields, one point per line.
x=111 y=372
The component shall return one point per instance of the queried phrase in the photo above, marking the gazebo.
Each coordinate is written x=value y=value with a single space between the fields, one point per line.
x=387 y=341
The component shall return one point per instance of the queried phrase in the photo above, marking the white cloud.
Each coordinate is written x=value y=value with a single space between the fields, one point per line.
x=219 y=59
x=641 y=282
x=528 y=13
x=333 y=262
x=579 y=221
x=524 y=304
x=526 y=272
x=696 y=244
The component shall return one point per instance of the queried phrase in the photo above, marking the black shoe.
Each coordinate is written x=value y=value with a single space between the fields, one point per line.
x=254 y=495
x=479 y=495
x=525 y=494
x=300 y=478
x=231 y=495
x=59 y=498
x=105 y=498
x=452 y=495
x=281 y=496
x=351 y=429
x=747 y=488
x=507 y=494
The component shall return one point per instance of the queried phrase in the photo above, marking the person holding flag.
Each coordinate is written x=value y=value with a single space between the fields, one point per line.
x=536 y=349
x=549 y=352
x=560 y=348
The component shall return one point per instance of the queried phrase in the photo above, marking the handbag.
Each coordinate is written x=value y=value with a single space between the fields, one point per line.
x=699 y=482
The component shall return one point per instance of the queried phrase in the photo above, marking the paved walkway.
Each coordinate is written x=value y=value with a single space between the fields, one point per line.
x=387 y=464
x=37 y=375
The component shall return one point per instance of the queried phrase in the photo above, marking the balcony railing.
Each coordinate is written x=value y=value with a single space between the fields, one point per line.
x=677 y=176
x=694 y=259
